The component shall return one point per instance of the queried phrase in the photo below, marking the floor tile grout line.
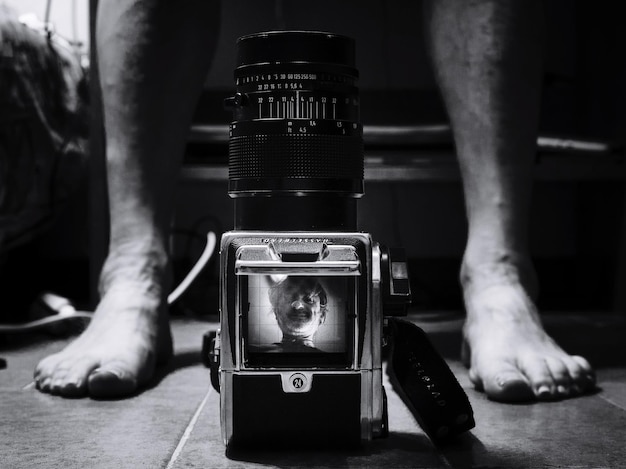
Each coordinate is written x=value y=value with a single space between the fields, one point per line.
x=442 y=458
x=28 y=386
x=188 y=430
x=612 y=402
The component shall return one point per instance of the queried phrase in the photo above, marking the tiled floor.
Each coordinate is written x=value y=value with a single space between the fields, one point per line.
x=175 y=423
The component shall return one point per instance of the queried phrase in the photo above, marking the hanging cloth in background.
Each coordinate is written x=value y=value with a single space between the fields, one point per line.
x=43 y=129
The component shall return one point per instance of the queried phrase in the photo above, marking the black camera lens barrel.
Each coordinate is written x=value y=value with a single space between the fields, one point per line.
x=296 y=143
x=310 y=47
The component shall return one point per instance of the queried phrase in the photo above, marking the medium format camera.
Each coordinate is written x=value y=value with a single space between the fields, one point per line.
x=305 y=298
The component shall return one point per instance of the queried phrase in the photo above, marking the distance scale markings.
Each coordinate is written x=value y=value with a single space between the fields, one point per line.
x=294 y=127
x=311 y=126
x=304 y=105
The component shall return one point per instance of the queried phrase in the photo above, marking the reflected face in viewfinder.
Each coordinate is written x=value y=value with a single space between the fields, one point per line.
x=299 y=304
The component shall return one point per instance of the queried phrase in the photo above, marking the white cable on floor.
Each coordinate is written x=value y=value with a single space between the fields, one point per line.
x=196 y=269
x=66 y=311
x=32 y=325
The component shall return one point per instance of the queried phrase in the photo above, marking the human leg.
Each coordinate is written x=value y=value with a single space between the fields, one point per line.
x=487 y=58
x=153 y=57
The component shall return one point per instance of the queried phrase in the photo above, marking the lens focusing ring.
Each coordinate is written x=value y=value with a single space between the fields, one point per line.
x=284 y=163
x=293 y=156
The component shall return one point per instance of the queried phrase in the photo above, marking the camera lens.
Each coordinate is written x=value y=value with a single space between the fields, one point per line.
x=296 y=143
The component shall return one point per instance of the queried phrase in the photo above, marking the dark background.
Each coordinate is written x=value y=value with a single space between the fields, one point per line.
x=576 y=224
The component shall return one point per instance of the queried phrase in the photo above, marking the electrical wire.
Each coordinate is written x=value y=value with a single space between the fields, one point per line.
x=46 y=16
x=47 y=24
x=196 y=269
x=39 y=323
x=65 y=310
x=74 y=24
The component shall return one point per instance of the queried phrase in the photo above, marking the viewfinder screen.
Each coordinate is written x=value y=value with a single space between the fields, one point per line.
x=298 y=320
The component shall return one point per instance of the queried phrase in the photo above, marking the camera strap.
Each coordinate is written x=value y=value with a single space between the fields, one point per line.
x=425 y=383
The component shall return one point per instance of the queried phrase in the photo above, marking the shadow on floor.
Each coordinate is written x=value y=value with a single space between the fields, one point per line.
x=395 y=451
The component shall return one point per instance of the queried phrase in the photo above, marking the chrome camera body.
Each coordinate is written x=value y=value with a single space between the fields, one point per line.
x=300 y=338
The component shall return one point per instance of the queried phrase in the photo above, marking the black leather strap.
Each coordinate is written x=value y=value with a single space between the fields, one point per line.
x=426 y=384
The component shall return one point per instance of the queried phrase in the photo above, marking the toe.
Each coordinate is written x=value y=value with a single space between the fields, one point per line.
x=43 y=384
x=45 y=367
x=476 y=380
x=582 y=373
x=75 y=380
x=507 y=384
x=57 y=381
x=68 y=378
x=562 y=382
x=43 y=373
x=111 y=381
x=73 y=388
x=539 y=376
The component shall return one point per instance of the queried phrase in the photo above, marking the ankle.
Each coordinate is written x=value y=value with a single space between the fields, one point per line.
x=146 y=272
x=479 y=272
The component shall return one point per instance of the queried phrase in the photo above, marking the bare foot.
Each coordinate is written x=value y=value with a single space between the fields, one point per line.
x=118 y=352
x=509 y=355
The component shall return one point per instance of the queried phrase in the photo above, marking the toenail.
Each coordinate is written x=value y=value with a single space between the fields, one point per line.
x=72 y=384
x=56 y=384
x=504 y=382
x=100 y=371
x=562 y=389
x=543 y=391
x=576 y=389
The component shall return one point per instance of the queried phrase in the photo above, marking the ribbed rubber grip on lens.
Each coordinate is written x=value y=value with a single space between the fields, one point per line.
x=296 y=156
